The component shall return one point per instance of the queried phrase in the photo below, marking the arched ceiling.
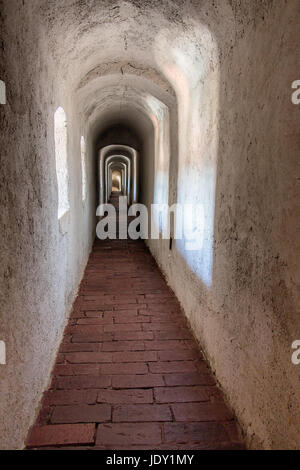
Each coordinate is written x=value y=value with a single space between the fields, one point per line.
x=128 y=97
x=80 y=32
x=113 y=54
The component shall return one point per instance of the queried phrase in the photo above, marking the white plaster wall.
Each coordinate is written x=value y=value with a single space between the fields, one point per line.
x=40 y=268
x=238 y=143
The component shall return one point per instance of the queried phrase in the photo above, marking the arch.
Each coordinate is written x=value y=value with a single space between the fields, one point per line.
x=128 y=182
x=123 y=169
x=126 y=154
x=115 y=176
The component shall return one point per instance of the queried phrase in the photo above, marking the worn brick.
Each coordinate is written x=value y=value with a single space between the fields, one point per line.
x=85 y=329
x=163 y=308
x=124 y=368
x=123 y=346
x=189 y=379
x=64 y=434
x=44 y=413
x=175 y=318
x=69 y=397
x=133 y=335
x=82 y=382
x=134 y=356
x=131 y=318
x=90 y=314
x=91 y=337
x=179 y=333
x=125 y=396
x=166 y=345
x=201 y=412
x=95 y=321
x=169 y=367
x=195 y=432
x=130 y=307
x=89 y=357
x=181 y=394
x=76 y=369
x=79 y=347
x=122 y=327
x=82 y=413
x=181 y=355
x=161 y=326
x=136 y=413
x=137 y=381
x=128 y=434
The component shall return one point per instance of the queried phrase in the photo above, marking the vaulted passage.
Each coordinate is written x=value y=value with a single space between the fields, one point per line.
x=190 y=112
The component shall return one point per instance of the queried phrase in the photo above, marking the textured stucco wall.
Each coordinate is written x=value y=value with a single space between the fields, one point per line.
x=241 y=290
x=40 y=268
x=223 y=70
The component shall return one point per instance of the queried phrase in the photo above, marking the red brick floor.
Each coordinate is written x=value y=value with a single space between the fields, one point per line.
x=129 y=374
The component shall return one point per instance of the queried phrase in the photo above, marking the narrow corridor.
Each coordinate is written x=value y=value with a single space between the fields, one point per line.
x=129 y=374
x=189 y=110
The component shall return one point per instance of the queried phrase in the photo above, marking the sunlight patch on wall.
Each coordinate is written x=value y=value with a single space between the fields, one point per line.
x=61 y=158
x=192 y=69
x=83 y=168
x=159 y=114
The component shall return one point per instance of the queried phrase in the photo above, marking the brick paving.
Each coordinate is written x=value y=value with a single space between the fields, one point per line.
x=129 y=374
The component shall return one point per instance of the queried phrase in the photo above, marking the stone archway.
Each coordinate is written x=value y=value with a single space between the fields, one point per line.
x=130 y=157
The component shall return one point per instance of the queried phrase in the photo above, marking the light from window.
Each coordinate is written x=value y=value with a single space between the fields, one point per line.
x=2 y=92
x=83 y=168
x=61 y=158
